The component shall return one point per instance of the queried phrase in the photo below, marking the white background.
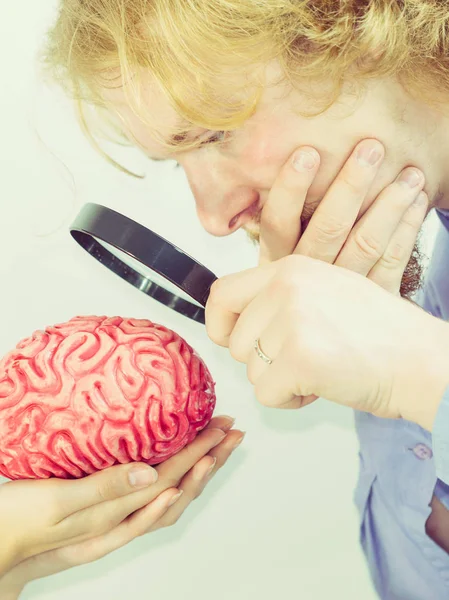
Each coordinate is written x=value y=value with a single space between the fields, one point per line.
x=279 y=521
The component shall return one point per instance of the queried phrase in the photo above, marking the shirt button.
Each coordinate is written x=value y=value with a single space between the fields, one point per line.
x=422 y=452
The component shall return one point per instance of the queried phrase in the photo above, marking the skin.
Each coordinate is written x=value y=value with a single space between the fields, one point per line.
x=358 y=216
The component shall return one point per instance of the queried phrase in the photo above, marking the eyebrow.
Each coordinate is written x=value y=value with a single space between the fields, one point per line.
x=173 y=140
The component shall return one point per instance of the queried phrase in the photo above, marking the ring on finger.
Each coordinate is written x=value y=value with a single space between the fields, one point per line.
x=261 y=354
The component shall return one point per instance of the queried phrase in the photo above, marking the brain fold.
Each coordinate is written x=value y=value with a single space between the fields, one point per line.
x=96 y=391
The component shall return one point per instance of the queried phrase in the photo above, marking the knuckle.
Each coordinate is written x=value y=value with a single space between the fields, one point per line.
x=284 y=287
x=171 y=477
x=235 y=349
x=291 y=262
x=302 y=347
x=107 y=489
x=170 y=521
x=261 y=398
x=352 y=183
x=289 y=272
x=93 y=524
x=330 y=230
x=214 y=336
x=49 y=502
x=110 y=522
x=274 y=221
x=197 y=493
x=393 y=258
x=367 y=246
x=104 y=521
x=216 y=290
x=191 y=453
x=171 y=481
x=73 y=556
x=251 y=376
x=296 y=342
x=413 y=220
x=400 y=201
x=52 y=511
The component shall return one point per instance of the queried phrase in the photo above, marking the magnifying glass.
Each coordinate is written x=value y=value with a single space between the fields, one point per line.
x=144 y=259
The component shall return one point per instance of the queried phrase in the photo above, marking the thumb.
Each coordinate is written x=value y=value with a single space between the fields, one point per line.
x=109 y=484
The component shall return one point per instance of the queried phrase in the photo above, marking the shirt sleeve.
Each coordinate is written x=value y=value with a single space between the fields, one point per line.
x=440 y=439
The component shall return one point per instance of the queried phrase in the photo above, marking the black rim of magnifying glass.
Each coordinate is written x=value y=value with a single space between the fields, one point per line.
x=96 y=222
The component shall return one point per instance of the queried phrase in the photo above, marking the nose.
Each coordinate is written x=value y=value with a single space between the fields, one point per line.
x=230 y=213
x=222 y=205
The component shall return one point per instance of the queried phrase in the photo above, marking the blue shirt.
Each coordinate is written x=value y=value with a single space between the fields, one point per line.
x=401 y=467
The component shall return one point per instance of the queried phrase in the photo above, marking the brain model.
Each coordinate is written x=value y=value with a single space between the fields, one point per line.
x=96 y=391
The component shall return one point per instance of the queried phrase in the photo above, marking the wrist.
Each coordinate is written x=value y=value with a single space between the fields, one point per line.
x=428 y=374
x=13 y=583
x=13 y=594
x=10 y=589
x=7 y=562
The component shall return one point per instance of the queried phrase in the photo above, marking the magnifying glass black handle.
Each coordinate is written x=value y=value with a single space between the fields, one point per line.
x=96 y=223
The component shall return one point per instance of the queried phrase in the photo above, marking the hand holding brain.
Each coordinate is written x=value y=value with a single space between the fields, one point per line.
x=95 y=391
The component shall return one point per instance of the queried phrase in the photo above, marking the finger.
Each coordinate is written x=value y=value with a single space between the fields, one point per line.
x=100 y=518
x=388 y=271
x=295 y=403
x=369 y=239
x=280 y=226
x=196 y=480
x=222 y=422
x=271 y=342
x=173 y=470
x=273 y=392
x=224 y=450
x=338 y=211
x=230 y=295
x=254 y=319
x=142 y=520
x=109 y=484
x=276 y=384
x=191 y=487
x=120 y=535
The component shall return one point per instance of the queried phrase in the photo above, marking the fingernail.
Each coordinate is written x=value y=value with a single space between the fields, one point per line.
x=239 y=441
x=175 y=498
x=229 y=422
x=304 y=161
x=410 y=177
x=421 y=199
x=142 y=476
x=368 y=154
x=210 y=469
x=219 y=438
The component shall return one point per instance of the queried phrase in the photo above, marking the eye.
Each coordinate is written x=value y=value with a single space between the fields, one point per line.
x=216 y=138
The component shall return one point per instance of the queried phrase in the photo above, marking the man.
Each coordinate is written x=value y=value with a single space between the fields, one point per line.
x=279 y=110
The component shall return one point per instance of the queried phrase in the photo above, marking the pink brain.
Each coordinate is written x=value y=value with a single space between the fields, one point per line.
x=85 y=395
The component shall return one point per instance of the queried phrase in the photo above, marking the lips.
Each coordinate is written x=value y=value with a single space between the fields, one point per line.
x=252 y=214
x=252 y=229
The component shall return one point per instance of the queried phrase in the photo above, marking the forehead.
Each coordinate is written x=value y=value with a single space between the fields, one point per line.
x=144 y=113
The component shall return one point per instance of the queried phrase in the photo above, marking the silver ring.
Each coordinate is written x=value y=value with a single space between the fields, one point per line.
x=262 y=354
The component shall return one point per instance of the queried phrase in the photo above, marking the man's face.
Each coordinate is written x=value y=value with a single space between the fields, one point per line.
x=232 y=181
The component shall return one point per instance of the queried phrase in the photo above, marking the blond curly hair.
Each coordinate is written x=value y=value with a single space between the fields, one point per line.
x=208 y=55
